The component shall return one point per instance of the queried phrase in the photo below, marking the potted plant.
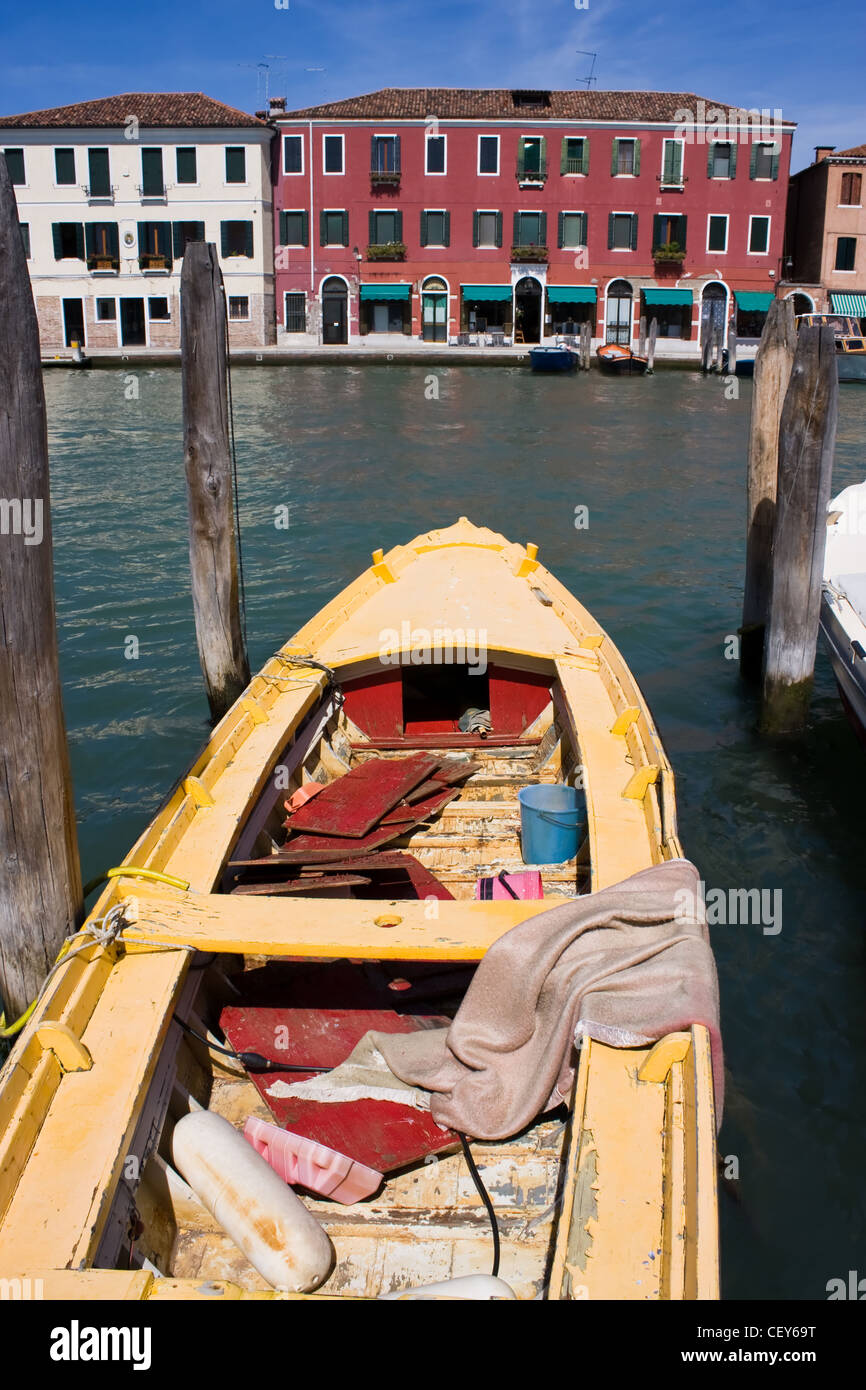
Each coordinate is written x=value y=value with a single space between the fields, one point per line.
x=387 y=251
x=529 y=253
x=670 y=251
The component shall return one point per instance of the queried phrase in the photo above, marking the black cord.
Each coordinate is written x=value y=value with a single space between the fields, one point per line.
x=483 y=1194
x=253 y=1061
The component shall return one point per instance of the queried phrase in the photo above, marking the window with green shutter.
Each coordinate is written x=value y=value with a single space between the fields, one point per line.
x=575 y=155
x=846 y=252
x=385 y=154
x=187 y=170
x=435 y=228
x=102 y=246
x=236 y=238
x=764 y=163
x=68 y=240
x=236 y=164
x=572 y=229
x=183 y=233
x=155 y=245
x=64 y=167
x=15 y=165
x=333 y=228
x=487 y=230
x=99 y=175
x=622 y=231
x=669 y=231
x=625 y=157
x=532 y=158
x=152 y=182
x=385 y=227
x=530 y=229
x=294 y=228
x=672 y=163
x=721 y=159
x=293 y=154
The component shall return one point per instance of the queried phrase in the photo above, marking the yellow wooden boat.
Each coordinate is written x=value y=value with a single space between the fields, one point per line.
x=615 y=1200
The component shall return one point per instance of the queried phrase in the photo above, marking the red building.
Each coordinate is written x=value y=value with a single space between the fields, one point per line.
x=435 y=212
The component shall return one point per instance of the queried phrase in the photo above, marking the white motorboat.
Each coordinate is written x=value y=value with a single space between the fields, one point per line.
x=843 y=601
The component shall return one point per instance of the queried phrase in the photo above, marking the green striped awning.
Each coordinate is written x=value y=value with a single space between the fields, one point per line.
x=681 y=297
x=854 y=305
x=486 y=292
x=753 y=301
x=571 y=294
x=385 y=291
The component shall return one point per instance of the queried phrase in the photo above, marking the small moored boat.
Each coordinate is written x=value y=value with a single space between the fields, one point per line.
x=843 y=600
x=619 y=359
x=557 y=357
x=239 y=946
x=850 y=343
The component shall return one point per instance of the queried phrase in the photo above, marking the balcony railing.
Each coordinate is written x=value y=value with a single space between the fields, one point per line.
x=387 y=251
x=532 y=176
x=99 y=195
x=385 y=176
x=529 y=253
x=152 y=195
x=573 y=166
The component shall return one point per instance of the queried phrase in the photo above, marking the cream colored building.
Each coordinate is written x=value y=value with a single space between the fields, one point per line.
x=110 y=191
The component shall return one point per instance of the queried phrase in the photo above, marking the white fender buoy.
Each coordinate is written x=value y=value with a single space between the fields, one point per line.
x=471 y=1286
x=265 y=1219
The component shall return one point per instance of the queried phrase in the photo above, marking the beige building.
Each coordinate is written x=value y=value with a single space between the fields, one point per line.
x=109 y=193
x=825 y=254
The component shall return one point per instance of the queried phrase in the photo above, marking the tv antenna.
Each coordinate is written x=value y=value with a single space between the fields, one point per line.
x=263 y=73
x=590 y=77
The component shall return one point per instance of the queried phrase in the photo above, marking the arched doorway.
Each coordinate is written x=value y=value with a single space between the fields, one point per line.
x=803 y=303
x=434 y=310
x=618 y=315
x=527 y=309
x=714 y=300
x=335 y=317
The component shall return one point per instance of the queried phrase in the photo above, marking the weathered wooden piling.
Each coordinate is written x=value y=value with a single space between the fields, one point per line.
x=732 y=349
x=207 y=457
x=807 y=437
x=651 y=344
x=585 y=344
x=40 y=880
x=773 y=363
x=641 y=336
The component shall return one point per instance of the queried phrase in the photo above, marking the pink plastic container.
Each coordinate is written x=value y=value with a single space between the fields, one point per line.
x=303 y=1162
x=303 y=795
x=523 y=885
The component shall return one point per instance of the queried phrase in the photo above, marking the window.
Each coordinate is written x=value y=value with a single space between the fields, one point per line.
x=765 y=161
x=759 y=235
x=575 y=155
x=236 y=238
x=385 y=154
x=183 y=233
x=487 y=229
x=239 y=306
x=717 y=232
x=722 y=159
x=622 y=231
x=294 y=228
x=152 y=184
x=154 y=245
x=296 y=313
x=435 y=154
x=64 y=167
x=98 y=174
x=672 y=163
x=293 y=154
x=15 y=165
x=187 y=170
x=435 y=228
x=236 y=164
x=25 y=237
x=850 y=194
x=68 y=241
x=846 y=251
x=102 y=246
x=333 y=228
x=572 y=229
x=157 y=309
x=386 y=226
x=669 y=232
x=332 y=154
x=625 y=158
x=532 y=158
x=106 y=310
x=488 y=154
x=530 y=229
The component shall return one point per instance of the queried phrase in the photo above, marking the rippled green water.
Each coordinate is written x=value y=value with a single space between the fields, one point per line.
x=363 y=459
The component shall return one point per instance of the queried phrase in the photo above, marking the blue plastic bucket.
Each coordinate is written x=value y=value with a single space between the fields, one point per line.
x=551 y=822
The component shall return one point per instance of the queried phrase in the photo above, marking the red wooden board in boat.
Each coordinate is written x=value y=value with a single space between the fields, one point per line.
x=354 y=803
x=387 y=868
x=420 y=810
x=382 y=1134
x=321 y=849
x=312 y=883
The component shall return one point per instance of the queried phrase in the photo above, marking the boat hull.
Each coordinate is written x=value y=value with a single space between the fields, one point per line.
x=552 y=359
x=621 y=361
x=848 y=668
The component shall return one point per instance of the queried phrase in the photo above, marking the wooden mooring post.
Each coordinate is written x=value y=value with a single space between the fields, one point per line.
x=585 y=344
x=208 y=462
x=807 y=437
x=732 y=350
x=641 y=336
x=773 y=362
x=40 y=877
x=651 y=343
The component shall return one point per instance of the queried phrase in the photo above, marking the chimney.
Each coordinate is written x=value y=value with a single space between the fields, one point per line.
x=278 y=105
x=260 y=115
x=821 y=152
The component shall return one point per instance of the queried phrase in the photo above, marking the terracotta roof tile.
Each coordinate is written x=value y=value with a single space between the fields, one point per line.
x=856 y=152
x=498 y=103
x=153 y=109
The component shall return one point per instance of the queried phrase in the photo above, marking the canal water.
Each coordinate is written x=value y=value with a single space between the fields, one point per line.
x=365 y=456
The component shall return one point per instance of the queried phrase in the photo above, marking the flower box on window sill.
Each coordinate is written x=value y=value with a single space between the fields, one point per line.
x=390 y=176
x=150 y=262
x=387 y=251
x=103 y=265
x=529 y=253
x=669 y=253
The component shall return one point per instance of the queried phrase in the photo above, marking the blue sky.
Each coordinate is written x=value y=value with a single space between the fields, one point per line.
x=794 y=54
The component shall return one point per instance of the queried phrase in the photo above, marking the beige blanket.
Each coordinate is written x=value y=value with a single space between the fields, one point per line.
x=624 y=966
